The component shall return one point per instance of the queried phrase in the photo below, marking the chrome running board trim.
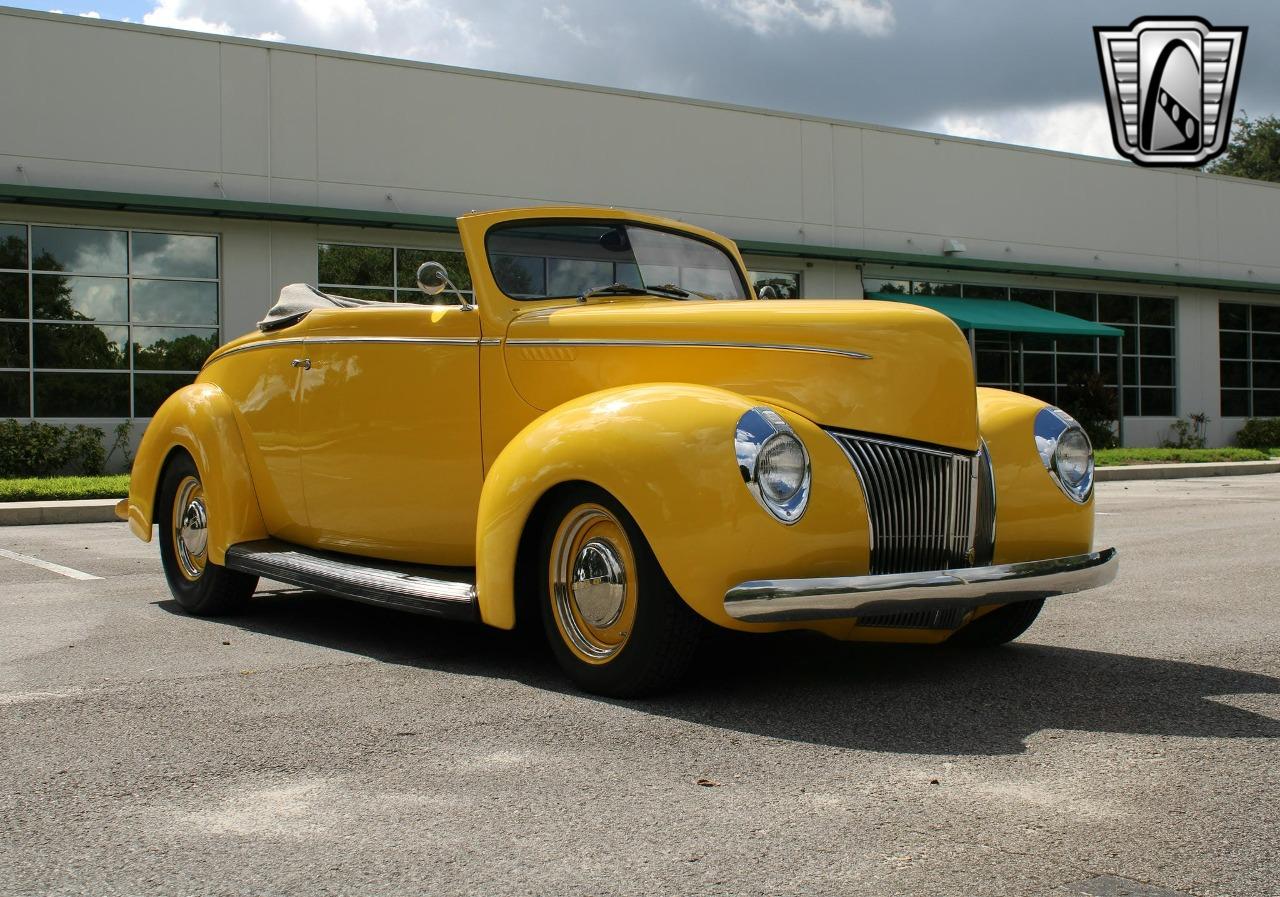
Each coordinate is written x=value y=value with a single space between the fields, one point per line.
x=790 y=600
x=437 y=591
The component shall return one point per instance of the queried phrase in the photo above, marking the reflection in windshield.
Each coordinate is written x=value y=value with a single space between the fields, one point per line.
x=554 y=259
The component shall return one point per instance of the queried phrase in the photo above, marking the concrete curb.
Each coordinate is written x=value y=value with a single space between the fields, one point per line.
x=31 y=513
x=103 y=510
x=1185 y=471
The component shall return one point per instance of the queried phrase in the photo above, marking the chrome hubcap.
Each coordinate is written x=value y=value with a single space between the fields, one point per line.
x=190 y=527
x=599 y=583
x=593 y=591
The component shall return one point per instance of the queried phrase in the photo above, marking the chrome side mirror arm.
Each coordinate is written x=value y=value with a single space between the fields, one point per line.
x=433 y=280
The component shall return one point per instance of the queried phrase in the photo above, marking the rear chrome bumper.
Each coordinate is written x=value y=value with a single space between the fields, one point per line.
x=789 y=600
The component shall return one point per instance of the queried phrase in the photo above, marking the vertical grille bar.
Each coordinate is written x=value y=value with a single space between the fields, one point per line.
x=926 y=506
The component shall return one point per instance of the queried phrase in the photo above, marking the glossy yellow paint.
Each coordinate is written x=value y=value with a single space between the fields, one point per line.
x=430 y=434
x=200 y=420
x=665 y=451
x=389 y=432
x=803 y=355
x=1034 y=518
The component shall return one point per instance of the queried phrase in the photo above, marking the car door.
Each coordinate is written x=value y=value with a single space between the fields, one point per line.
x=389 y=432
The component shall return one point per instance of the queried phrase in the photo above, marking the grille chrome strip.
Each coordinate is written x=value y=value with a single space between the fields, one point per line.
x=923 y=503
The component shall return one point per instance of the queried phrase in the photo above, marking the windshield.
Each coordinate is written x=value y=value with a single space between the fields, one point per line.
x=551 y=259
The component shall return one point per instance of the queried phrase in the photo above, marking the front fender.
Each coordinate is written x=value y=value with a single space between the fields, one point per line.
x=665 y=451
x=200 y=420
x=1034 y=518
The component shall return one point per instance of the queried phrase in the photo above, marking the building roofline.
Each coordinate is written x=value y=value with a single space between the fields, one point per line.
x=24 y=194
x=597 y=88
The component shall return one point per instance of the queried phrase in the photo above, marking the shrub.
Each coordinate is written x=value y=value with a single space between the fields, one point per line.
x=41 y=450
x=1187 y=434
x=1093 y=404
x=124 y=435
x=1259 y=433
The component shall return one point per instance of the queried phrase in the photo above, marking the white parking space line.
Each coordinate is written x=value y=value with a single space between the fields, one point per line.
x=46 y=565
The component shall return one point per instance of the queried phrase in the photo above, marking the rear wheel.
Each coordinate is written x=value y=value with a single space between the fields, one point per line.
x=1004 y=624
x=201 y=587
x=614 y=622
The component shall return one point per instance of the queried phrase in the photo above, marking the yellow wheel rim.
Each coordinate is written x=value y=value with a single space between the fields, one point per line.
x=592 y=583
x=190 y=528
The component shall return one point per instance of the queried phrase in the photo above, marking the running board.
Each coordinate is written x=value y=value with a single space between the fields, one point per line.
x=437 y=591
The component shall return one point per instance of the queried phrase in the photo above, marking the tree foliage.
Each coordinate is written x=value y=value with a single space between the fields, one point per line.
x=1254 y=149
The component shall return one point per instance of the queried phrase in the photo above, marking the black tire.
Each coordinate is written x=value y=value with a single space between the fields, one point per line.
x=664 y=632
x=999 y=627
x=213 y=590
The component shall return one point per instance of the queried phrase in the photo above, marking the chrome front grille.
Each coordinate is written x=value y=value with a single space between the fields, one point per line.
x=925 y=504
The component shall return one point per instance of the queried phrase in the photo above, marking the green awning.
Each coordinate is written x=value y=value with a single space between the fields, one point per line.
x=998 y=314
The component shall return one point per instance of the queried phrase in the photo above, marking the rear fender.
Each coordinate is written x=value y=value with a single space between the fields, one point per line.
x=200 y=420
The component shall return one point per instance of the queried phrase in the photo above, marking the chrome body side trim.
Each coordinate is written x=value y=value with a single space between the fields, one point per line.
x=436 y=591
x=327 y=340
x=689 y=344
x=833 y=598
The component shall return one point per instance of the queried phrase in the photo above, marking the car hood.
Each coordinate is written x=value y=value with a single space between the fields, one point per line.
x=876 y=367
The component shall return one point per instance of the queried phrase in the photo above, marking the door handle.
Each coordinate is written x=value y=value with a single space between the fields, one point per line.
x=304 y=363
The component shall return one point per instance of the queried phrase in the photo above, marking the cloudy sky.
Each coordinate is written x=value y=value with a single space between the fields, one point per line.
x=1009 y=70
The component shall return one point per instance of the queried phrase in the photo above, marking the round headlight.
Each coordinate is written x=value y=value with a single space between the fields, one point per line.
x=780 y=468
x=1073 y=457
x=1066 y=452
x=774 y=463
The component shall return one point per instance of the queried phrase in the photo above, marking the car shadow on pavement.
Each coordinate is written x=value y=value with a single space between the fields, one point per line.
x=804 y=687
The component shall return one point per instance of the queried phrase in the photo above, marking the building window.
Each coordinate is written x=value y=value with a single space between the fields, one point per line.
x=785 y=283
x=1047 y=364
x=385 y=273
x=101 y=322
x=1249 y=349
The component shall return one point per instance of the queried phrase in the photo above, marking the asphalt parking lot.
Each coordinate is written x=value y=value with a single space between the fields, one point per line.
x=313 y=746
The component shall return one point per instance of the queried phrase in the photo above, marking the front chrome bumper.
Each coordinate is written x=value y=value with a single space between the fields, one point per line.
x=789 y=600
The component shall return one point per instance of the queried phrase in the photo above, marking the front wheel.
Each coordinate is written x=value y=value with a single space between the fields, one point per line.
x=200 y=586
x=1004 y=624
x=614 y=622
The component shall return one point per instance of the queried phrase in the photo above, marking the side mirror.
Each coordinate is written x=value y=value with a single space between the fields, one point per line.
x=433 y=280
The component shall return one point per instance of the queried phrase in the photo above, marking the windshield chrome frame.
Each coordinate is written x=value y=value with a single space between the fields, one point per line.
x=747 y=293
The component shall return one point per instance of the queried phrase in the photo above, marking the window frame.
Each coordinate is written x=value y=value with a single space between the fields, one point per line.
x=747 y=293
x=1250 y=389
x=1133 y=386
x=130 y=370
x=395 y=289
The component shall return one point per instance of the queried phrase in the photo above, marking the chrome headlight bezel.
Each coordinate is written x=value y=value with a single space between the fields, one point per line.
x=1051 y=428
x=760 y=428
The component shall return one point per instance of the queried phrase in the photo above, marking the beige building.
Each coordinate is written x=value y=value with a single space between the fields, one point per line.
x=157 y=188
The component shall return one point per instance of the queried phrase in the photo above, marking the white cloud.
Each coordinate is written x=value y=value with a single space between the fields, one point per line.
x=562 y=18
x=90 y=15
x=1075 y=127
x=170 y=14
x=871 y=17
x=418 y=29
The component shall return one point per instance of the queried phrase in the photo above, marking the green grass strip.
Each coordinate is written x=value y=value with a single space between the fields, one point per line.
x=114 y=485
x=1121 y=456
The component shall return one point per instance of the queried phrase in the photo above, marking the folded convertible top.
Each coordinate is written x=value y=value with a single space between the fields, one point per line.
x=297 y=299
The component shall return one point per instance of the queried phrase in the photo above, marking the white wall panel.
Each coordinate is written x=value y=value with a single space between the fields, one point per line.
x=245 y=109
x=294 y=131
x=81 y=92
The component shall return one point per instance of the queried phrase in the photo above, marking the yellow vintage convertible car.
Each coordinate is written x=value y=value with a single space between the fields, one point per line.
x=619 y=438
